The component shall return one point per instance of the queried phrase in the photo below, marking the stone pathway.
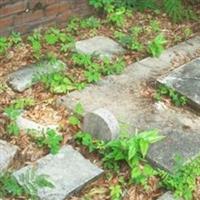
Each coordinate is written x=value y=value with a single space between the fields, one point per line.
x=68 y=171
x=122 y=95
x=7 y=154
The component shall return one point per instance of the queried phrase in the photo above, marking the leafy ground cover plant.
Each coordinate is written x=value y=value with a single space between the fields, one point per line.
x=51 y=140
x=109 y=67
x=57 y=83
x=115 y=192
x=3 y=87
x=75 y=118
x=35 y=41
x=130 y=40
x=90 y=23
x=176 y=9
x=15 y=38
x=3 y=45
x=7 y=42
x=132 y=151
x=73 y=25
x=183 y=181
x=176 y=98
x=29 y=185
x=13 y=111
x=156 y=46
x=94 y=68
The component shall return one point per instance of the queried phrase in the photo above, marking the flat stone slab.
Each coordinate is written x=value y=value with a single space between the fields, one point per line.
x=102 y=124
x=123 y=96
x=186 y=81
x=168 y=196
x=68 y=170
x=7 y=154
x=99 y=45
x=25 y=77
x=185 y=145
x=28 y=125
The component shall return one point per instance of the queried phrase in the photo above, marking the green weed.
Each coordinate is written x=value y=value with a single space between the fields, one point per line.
x=29 y=185
x=182 y=181
x=90 y=23
x=4 y=44
x=13 y=111
x=116 y=192
x=51 y=140
x=57 y=83
x=35 y=41
x=74 y=119
x=156 y=46
x=15 y=38
x=176 y=98
x=129 y=150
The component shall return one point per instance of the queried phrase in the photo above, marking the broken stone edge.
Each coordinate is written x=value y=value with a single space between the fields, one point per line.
x=75 y=189
x=12 y=155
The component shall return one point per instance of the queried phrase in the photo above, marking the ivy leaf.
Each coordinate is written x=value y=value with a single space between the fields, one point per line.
x=144 y=146
x=79 y=109
x=132 y=152
x=73 y=120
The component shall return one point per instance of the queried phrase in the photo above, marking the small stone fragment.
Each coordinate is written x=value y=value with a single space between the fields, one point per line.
x=68 y=171
x=27 y=124
x=7 y=154
x=101 y=124
x=24 y=77
x=99 y=45
x=168 y=196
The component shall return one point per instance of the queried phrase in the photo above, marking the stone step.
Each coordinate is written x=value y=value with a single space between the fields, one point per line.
x=24 y=78
x=186 y=81
x=7 y=154
x=99 y=45
x=122 y=96
x=68 y=171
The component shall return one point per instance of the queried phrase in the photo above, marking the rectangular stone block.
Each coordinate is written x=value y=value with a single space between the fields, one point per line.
x=24 y=78
x=68 y=171
x=186 y=81
x=185 y=145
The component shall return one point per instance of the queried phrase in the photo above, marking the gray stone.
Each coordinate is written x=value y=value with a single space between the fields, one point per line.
x=7 y=154
x=68 y=170
x=101 y=124
x=27 y=76
x=122 y=95
x=168 y=196
x=27 y=124
x=99 y=45
x=186 y=81
x=185 y=145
